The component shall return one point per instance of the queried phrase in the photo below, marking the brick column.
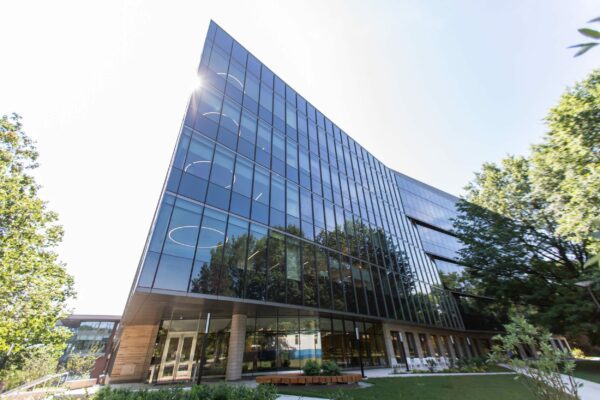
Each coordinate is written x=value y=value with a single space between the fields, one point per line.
x=235 y=354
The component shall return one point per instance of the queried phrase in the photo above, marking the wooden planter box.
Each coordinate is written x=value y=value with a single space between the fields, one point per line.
x=299 y=379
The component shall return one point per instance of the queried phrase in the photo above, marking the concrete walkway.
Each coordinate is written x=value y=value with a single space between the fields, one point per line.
x=387 y=373
x=589 y=390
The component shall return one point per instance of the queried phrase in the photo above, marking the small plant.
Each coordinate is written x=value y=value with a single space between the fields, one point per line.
x=341 y=395
x=330 y=368
x=311 y=368
x=81 y=365
x=431 y=364
x=544 y=374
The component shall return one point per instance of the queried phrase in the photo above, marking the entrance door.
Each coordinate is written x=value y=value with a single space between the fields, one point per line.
x=178 y=357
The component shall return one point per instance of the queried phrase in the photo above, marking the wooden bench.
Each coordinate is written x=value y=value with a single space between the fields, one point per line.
x=299 y=379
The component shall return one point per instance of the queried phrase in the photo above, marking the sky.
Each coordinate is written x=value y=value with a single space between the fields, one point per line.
x=431 y=88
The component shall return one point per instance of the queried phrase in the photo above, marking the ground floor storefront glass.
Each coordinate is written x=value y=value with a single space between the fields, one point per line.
x=179 y=346
x=272 y=343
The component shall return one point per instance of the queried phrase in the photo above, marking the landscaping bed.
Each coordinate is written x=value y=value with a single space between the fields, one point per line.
x=300 y=379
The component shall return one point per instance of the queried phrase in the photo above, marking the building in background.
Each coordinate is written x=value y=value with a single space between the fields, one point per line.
x=92 y=334
x=278 y=239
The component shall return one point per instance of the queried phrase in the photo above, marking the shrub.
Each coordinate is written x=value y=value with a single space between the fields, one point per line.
x=81 y=365
x=431 y=364
x=340 y=395
x=38 y=362
x=548 y=376
x=311 y=368
x=330 y=368
x=577 y=353
x=197 y=392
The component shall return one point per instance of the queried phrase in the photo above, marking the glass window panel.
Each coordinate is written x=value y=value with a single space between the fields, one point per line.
x=230 y=117
x=266 y=97
x=183 y=229
x=248 y=127
x=162 y=222
x=359 y=287
x=304 y=161
x=292 y=154
x=182 y=148
x=205 y=276
x=173 y=273
x=318 y=211
x=222 y=170
x=212 y=236
x=306 y=205
x=210 y=104
x=310 y=276
x=293 y=206
x=252 y=87
x=276 y=272
x=256 y=272
x=261 y=186
x=239 y=53
x=336 y=282
x=412 y=346
x=149 y=269
x=263 y=140
x=242 y=180
x=424 y=345
x=199 y=157
x=279 y=108
x=236 y=75
x=234 y=258
x=347 y=279
x=323 y=279
x=293 y=271
x=278 y=146
x=218 y=61
x=277 y=193
x=368 y=283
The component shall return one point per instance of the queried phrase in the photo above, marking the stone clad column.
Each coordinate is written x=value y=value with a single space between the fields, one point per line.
x=389 y=346
x=235 y=353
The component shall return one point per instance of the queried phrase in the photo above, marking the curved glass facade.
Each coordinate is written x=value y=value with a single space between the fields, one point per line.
x=268 y=200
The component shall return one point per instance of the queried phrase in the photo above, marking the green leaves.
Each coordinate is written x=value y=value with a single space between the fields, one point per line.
x=34 y=285
x=583 y=48
x=542 y=374
x=529 y=223
x=590 y=33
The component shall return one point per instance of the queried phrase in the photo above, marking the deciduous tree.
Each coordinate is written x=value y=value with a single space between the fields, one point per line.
x=34 y=285
x=528 y=222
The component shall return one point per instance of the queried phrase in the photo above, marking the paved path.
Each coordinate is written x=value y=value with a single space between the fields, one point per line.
x=589 y=391
x=387 y=373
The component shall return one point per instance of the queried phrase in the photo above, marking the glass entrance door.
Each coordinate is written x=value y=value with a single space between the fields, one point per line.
x=178 y=357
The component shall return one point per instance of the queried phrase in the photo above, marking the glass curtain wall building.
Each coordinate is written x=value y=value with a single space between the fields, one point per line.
x=277 y=237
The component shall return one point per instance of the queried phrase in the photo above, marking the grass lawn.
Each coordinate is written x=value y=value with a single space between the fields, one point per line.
x=491 y=387
x=589 y=370
x=497 y=368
